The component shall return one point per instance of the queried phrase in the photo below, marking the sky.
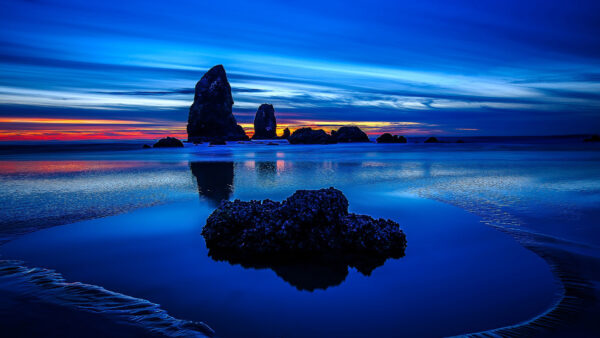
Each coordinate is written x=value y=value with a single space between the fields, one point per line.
x=78 y=70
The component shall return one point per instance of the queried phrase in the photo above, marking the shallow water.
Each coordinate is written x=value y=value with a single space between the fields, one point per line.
x=458 y=275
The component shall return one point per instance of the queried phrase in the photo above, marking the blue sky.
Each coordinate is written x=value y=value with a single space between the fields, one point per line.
x=428 y=67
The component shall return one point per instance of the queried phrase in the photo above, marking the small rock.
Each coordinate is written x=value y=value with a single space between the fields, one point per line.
x=432 y=140
x=389 y=138
x=310 y=136
x=349 y=134
x=168 y=142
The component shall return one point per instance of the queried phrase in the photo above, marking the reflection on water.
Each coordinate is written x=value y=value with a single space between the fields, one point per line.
x=215 y=180
x=307 y=274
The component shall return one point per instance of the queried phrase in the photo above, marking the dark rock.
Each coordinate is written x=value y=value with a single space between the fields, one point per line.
x=265 y=124
x=432 y=140
x=460 y=141
x=389 y=138
x=310 y=136
x=349 y=134
x=310 y=224
x=593 y=138
x=168 y=142
x=211 y=114
x=146 y=146
x=217 y=143
x=286 y=134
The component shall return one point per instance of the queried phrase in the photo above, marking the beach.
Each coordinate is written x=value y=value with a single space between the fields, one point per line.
x=501 y=233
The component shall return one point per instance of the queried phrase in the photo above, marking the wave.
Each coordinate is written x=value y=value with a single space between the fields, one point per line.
x=50 y=286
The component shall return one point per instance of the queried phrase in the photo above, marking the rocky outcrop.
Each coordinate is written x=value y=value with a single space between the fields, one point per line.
x=211 y=114
x=308 y=223
x=389 y=138
x=350 y=134
x=310 y=136
x=286 y=134
x=432 y=140
x=168 y=142
x=265 y=124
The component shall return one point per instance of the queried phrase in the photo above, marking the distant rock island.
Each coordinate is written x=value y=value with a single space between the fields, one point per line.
x=168 y=142
x=211 y=117
x=389 y=138
x=265 y=124
x=211 y=120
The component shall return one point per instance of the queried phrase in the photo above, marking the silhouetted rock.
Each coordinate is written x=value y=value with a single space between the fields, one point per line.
x=460 y=141
x=146 y=146
x=593 y=138
x=389 y=138
x=168 y=142
x=432 y=140
x=307 y=224
x=211 y=114
x=286 y=134
x=265 y=124
x=310 y=136
x=349 y=134
x=217 y=143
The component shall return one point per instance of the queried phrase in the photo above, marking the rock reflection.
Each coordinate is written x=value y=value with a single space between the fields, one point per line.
x=306 y=274
x=215 y=180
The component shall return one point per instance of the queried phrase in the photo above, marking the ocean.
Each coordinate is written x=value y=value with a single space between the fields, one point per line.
x=502 y=234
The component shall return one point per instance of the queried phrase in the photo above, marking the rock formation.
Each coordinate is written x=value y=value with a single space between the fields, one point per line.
x=211 y=114
x=432 y=140
x=168 y=142
x=286 y=134
x=310 y=136
x=307 y=224
x=265 y=124
x=389 y=138
x=350 y=134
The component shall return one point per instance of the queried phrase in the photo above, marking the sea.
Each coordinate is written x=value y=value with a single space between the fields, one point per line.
x=104 y=239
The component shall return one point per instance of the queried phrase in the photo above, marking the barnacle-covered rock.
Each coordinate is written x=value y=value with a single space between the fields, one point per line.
x=309 y=231
x=308 y=223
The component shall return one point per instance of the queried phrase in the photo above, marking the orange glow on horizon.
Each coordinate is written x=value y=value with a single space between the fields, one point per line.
x=60 y=129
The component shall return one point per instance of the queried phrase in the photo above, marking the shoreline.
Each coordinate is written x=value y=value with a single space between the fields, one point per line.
x=499 y=330
x=577 y=291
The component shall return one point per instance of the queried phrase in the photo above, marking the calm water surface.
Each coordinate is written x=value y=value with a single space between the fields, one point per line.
x=458 y=275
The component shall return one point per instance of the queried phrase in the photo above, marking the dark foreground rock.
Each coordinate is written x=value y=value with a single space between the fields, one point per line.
x=389 y=138
x=311 y=229
x=211 y=114
x=432 y=140
x=593 y=138
x=265 y=124
x=168 y=142
x=310 y=136
x=349 y=134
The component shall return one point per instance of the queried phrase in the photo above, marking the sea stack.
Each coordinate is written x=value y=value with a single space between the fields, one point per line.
x=211 y=116
x=350 y=134
x=265 y=124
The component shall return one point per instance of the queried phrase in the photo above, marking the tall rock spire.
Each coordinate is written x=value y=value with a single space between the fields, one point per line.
x=265 y=124
x=211 y=116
